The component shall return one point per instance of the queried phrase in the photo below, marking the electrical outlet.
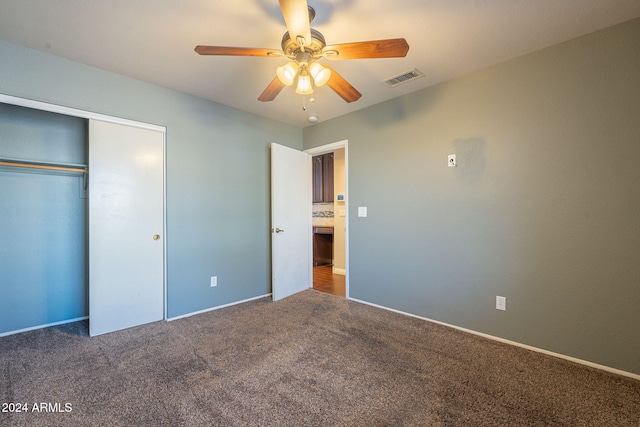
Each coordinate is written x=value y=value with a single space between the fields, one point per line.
x=501 y=303
x=214 y=281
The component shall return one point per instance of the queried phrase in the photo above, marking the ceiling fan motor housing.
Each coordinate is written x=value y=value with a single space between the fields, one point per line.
x=291 y=47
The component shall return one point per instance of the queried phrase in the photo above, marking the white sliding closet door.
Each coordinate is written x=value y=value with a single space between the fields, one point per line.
x=126 y=226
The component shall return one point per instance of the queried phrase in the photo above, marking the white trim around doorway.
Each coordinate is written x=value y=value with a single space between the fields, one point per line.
x=327 y=148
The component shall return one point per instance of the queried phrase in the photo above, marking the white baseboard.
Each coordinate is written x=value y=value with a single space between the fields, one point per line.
x=182 y=316
x=4 y=334
x=506 y=341
x=48 y=325
x=340 y=271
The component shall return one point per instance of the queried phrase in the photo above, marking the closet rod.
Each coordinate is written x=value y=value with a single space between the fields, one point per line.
x=46 y=166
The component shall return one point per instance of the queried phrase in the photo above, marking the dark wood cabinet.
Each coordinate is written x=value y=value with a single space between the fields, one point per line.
x=322 y=246
x=317 y=179
x=323 y=178
x=327 y=178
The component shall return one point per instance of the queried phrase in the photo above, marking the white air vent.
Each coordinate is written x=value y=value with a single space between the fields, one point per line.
x=403 y=78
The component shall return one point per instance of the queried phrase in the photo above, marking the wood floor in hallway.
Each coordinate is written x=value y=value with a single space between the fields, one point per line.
x=325 y=281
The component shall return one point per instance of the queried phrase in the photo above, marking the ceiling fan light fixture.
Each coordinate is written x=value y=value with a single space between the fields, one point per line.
x=303 y=46
x=287 y=73
x=304 y=84
x=320 y=74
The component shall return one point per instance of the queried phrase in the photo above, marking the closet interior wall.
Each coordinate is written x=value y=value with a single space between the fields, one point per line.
x=43 y=220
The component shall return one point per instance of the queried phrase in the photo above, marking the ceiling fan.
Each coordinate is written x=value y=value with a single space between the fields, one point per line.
x=304 y=46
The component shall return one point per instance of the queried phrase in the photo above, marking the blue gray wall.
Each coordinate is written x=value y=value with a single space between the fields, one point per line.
x=543 y=208
x=217 y=176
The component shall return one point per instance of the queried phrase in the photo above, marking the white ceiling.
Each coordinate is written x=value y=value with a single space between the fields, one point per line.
x=153 y=40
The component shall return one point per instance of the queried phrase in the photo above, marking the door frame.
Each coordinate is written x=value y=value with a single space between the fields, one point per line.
x=327 y=148
x=74 y=112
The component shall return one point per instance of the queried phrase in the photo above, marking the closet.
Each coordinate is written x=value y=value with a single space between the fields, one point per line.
x=61 y=192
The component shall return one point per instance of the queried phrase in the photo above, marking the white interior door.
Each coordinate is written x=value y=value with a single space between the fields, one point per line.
x=290 y=221
x=126 y=226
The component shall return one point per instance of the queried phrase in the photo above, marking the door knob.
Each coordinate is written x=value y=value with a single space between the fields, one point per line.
x=279 y=230
x=156 y=236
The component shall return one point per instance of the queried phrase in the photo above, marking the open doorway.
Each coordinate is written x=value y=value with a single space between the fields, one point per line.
x=330 y=218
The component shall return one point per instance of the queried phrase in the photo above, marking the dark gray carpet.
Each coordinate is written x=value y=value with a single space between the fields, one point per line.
x=309 y=360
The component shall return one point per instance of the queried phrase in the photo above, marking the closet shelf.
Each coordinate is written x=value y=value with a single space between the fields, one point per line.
x=63 y=167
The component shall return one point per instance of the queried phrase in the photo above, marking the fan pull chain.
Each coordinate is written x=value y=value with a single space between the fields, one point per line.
x=304 y=97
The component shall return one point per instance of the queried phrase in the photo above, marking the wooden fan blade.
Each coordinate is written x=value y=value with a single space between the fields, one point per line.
x=272 y=90
x=342 y=87
x=237 y=51
x=389 y=48
x=296 y=16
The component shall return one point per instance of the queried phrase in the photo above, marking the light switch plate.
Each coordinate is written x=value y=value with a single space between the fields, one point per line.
x=362 y=211
x=501 y=303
